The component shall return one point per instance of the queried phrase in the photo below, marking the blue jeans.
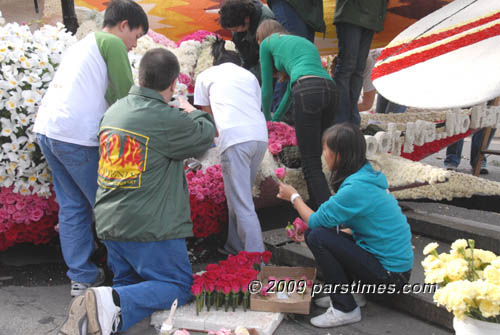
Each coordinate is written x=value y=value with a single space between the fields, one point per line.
x=354 y=45
x=385 y=106
x=454 y=151
x=342 y=261
x=291 y=20
x=74 y=175
x=314 y=105
x=149 y=276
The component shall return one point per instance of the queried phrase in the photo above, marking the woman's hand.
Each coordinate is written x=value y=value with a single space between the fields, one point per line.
x=286 y=191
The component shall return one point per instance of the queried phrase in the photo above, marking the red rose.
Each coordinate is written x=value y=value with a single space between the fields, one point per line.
x=196 y=290
x=226 y=289
x=266 y=257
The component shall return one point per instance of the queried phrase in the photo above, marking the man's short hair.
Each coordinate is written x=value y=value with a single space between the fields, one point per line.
x=233 y=13
x=121 y=10
x=158 y=69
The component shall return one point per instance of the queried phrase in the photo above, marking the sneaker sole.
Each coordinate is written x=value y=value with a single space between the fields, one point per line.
x=338 y=324
x=74 y=323
x=94 y=328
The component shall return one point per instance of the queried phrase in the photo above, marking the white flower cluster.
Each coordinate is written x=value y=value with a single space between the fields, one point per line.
x=28 y=62
x=420 y=127
x=144 y=44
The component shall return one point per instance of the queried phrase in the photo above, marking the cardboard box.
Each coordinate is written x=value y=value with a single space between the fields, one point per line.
x=274 y=302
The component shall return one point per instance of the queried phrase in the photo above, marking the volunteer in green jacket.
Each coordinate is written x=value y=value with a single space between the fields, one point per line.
x=356 y=22
x=312 y=90
x=242 y=18
x=142 y=205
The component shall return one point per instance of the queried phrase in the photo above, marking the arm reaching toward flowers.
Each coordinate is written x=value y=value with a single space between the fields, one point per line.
x=286 y=192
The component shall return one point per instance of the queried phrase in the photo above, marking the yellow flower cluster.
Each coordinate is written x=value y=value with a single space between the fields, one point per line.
x=469 y=280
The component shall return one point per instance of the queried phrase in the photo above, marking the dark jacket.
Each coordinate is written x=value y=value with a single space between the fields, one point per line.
x=368 y=14
x=245 y=42
x=311 y=11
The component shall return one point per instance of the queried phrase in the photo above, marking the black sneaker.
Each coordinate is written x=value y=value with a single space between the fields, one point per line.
x=484 y=171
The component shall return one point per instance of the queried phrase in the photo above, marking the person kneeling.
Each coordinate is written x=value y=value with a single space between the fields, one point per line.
x=142 y=207
x=376 y=248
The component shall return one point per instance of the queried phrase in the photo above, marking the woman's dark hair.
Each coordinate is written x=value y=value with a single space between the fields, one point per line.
x=347 y=140
x=158 y=69
x=233 y=13
x=121 y=10
x=221 y=55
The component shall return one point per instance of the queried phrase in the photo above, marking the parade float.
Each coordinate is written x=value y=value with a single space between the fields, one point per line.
x=28 y=209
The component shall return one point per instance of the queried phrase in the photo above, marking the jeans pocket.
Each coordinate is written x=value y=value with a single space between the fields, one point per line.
x=70 y=154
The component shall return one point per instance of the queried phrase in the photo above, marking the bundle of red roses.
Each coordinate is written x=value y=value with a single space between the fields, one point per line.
x=207 y=200
x=228 y=281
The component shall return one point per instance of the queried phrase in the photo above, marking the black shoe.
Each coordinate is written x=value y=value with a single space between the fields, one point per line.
x=451 y=168
x=484 y=171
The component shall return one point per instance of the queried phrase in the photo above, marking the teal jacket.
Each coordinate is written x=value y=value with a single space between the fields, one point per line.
x=143 y=194
x=369 y=14
x=293 y=55
x=363 y=204
x=311 y=11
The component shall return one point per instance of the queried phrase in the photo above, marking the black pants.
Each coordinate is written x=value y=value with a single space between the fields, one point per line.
x=342 y=262
x=314 y=104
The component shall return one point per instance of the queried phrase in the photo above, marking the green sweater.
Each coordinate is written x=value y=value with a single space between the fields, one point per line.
x=368 y=14
x=143 y=194
x=293 y=55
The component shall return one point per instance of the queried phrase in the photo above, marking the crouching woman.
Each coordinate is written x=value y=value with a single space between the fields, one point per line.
x=376 y=246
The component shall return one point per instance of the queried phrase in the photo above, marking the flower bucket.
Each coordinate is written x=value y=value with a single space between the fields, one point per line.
x=470 y=326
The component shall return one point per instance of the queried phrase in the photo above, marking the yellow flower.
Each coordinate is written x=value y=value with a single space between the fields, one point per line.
x=458 y=244
x=456 y=269
x=492 y=274
x=489 y=308
x=430 y=248
x=431 y=262
x=485 y=256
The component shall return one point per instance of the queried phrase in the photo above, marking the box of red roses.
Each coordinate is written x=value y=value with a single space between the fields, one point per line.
x=282 y=289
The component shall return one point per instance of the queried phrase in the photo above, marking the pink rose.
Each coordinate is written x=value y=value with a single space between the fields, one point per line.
x=300 y=226
x=275 y=148
x=36 y=214
x=280 y=173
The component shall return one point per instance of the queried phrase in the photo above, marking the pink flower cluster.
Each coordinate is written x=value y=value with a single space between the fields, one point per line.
x=196 y=36
x=186 y=80
x=26 y=218
x=280 y=135
x=207 y=200
x=161 y=39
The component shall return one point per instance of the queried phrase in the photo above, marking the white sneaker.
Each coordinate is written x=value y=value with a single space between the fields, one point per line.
x=76 y=321
x=78 y=289
x=333 y=318
x=102 y=313
x=324 y=302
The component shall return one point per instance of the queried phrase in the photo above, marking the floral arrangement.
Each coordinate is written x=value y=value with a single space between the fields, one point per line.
x=28 y=211
x=207 y=200
x=468 y=279
x=26 y=218
x=280 y=136
x=226 y=283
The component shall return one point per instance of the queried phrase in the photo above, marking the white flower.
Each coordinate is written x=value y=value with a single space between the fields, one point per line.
x=8 y=128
